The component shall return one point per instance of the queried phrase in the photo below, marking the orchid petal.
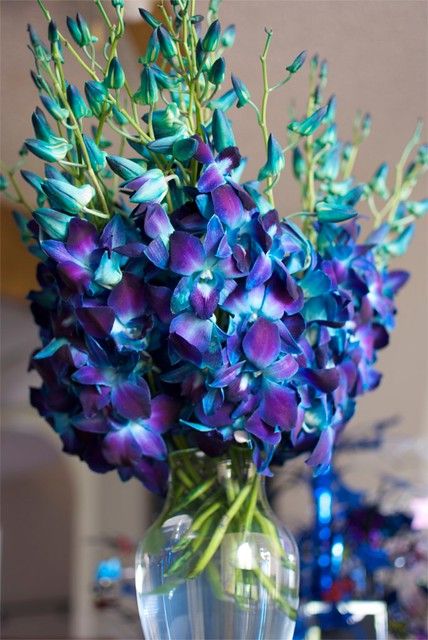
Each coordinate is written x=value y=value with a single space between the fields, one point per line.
x=325 y=380
x=210 y=179
x=128 y=299
x=227 y=206
x=204 y=299
x=279 y=406
x=260 y=429
x=91 y=375
x=261 y=343
x=321 y=455
x=186 y=253
x=96 y=321
x=132 y=399
x=282 y=369
x=260 y=271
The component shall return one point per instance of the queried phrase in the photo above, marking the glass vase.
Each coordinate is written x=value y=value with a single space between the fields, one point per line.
x=217 y=564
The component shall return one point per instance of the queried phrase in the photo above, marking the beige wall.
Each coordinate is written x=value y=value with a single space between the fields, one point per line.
x=378 y=51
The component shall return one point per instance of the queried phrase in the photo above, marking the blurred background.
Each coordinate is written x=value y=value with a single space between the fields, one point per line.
x=57 y=517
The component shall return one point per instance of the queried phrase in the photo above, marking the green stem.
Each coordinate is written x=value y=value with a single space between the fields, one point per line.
x=101 y=9
x=252 y=502
x=272 y=589
x=20 y=196
x=220 y=532
x=195 y=494
x=391 y=206
x=263 y=110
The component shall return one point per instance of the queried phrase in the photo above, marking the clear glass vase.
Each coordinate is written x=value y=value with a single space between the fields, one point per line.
x=217 y=564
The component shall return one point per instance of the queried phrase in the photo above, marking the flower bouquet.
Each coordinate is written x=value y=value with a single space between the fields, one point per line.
x=186 y=325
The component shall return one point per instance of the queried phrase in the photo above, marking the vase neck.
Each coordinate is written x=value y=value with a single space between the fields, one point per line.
x=191 y=469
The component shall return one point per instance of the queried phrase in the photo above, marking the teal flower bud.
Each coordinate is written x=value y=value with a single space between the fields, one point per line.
x=126 y=169
x=118 y=4
x=119 y=118
x=329 y=137
x=36 y=182
x=52 y=222
x=211 y=39
x=39 y=81
x=299 y=164
x=40 y=50
x=3 y=182
x=309 y=125
x=329 y=165
x=79 y=31
x=422 y=155
x=164 y=80
x=314 y=62
x=297 y=63
x=331 y=109
x=222 y=131
x=378 y=183
x=49 y=151
x=41 y=127
x=201 y=56
x=228 y=37
x=317 y=96
x=166 y=43
x=275 y=160
x=323 y=71
x=77 y=104
x=152 y=187
x=418 y=208
x=53 y=32
x=152 y=49
x=54 y=108
x=148 y=92
x=224 y=102
x=115 y=78
x=332 y=212
x=241 y=92
x=97 y=157
x=184 y=149
x=108 y=272
x=366 y=125
x=167 y=122
x=97 y=97
x=149 y=18
x=347 y=151
x=400 y=244
x=65 y=196
x=217 y=72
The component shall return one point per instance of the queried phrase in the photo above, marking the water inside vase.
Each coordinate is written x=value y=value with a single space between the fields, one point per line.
x=224 y=602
